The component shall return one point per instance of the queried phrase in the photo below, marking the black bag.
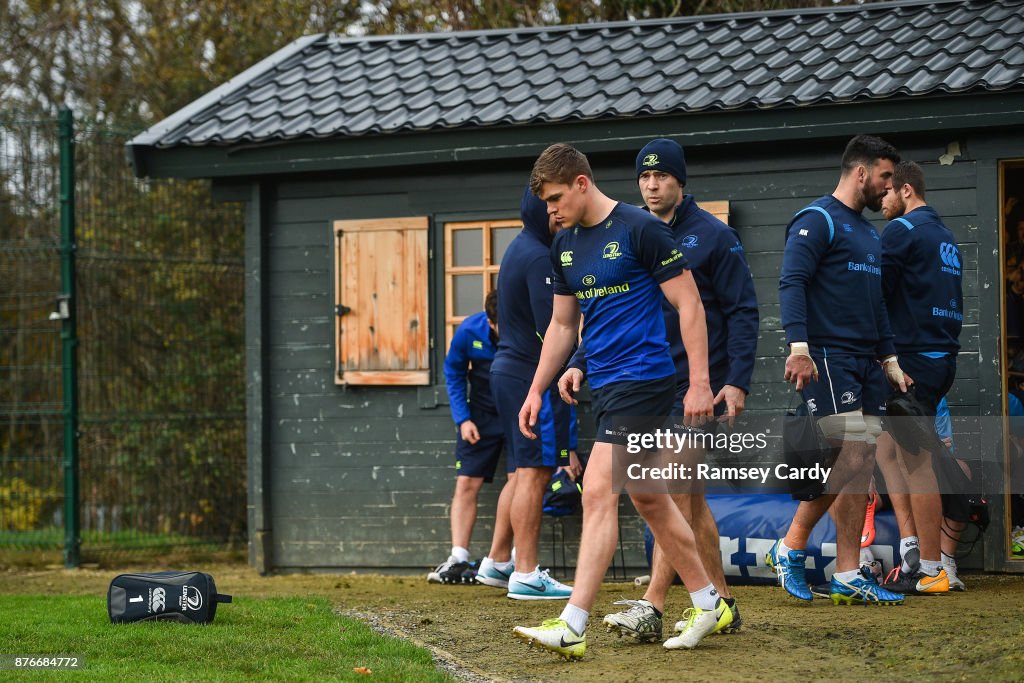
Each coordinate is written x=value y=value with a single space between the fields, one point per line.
x=187 y=597
x=910 y=424
x=563 y=496
x=803 y=445
x=914 y=429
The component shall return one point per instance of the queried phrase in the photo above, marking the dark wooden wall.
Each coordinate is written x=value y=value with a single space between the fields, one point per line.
x=361 y=477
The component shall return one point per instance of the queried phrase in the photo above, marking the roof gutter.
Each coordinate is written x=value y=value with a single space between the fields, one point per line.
x=917 y=114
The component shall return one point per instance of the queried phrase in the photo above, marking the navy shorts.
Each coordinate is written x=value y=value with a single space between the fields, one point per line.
x=552 y=448
x=677 y=406
x=632 y=407
x=480 y=459
x=846 y=383
x=933 y=377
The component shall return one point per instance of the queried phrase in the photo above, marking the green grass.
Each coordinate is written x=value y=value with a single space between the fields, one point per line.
x=44 y=547
x=286 y=639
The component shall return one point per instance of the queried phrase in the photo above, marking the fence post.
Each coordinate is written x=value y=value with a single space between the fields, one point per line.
x=66 y=305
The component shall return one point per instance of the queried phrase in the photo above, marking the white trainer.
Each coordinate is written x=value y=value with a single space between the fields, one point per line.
x=698 y=623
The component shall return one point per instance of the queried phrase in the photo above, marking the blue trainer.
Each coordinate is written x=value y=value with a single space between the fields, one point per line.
x=863 y=590
x=489 y=574
x=538 y=586
x=789 y=570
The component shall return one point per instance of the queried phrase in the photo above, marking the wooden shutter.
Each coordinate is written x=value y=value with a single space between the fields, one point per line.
x=383 y=335
x=719 y=210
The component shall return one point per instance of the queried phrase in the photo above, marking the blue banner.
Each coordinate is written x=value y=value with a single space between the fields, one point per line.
x=749 y=524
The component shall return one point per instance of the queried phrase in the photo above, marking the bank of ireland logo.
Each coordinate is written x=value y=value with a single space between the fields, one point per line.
x=650 y=160
x=949 y=255
x=952 y=304
x=566 y=258
x=589 y=280
x=611 y=251
x=871 y=258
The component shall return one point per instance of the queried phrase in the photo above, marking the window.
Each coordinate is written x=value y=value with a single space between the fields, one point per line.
x=381 y=323
x=472 y=255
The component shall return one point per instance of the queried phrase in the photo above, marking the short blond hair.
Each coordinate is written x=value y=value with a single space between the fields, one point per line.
x=561 y=164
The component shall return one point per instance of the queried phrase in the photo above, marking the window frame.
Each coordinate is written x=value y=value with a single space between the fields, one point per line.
x=487 y=268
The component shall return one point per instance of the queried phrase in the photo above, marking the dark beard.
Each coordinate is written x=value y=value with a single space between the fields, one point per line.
x=874 y=203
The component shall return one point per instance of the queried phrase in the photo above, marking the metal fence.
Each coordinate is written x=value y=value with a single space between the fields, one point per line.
x=157 y=301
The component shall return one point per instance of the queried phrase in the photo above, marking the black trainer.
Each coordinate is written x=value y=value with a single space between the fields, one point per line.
x=822 y=590
x=451 y=571
x=737 y=620
x=469 y=573
x=919 y=583
x=901 y=582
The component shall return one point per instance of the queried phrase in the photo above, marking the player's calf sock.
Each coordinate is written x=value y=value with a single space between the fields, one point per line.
x=576 y=618
x=909 y=545
x=460 y=554
x=657 y=612
x=508 y=566
x=931 y=567
x=847 y=577
x=705 y=598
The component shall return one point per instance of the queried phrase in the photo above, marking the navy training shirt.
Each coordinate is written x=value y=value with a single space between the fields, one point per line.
x=714 y=254
x=524 y=308
x=922 y=282
x=830 y=289
x=614 y=270
x=524 y=292
x=470 y=354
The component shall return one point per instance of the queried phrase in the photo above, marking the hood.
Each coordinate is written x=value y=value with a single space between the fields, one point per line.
x=534 y=213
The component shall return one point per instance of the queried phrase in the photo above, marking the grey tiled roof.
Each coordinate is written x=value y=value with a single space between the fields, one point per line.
x=326 y=86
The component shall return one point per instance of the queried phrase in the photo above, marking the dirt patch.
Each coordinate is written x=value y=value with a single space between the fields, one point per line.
x=970 y=636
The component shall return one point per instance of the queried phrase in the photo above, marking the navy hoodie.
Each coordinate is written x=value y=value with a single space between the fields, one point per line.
x=524 y=292
x=830 y=289
x=921 y=280
x=525 y=301
x=714 y=255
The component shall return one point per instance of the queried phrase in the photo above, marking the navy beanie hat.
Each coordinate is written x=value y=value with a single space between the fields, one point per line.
x=662 y=154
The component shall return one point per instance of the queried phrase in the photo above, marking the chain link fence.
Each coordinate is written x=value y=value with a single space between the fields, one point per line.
x=31 y=393
x=159 y=292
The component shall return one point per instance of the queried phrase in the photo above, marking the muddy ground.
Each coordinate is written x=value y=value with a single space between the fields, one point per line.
x=972 y=636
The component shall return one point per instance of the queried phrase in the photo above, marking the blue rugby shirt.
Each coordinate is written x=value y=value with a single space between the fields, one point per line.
x=830 y=289
x=470 y=354
x=614 y=270
x=922 y=282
